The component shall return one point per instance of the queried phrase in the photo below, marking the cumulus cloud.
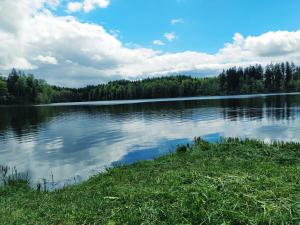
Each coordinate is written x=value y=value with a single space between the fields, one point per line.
x=158 y=42
x=170 y=36
x=87 y=5
x=74 y=7
x=274 y=43
x=51 y=3
x=65 y=51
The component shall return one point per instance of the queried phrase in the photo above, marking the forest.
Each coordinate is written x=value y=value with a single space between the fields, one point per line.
x=19 y=88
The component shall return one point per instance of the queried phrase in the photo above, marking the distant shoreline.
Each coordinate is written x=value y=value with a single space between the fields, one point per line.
x=19 y=88
x=137 y=101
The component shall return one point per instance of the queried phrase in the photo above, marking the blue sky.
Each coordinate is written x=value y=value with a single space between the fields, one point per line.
x=207 y=24
x=80 y=42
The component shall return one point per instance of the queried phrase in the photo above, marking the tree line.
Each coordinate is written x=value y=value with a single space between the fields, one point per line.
x=279 y=77
x=19 y=88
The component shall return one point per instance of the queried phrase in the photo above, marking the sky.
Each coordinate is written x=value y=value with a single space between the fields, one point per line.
x=80 y=42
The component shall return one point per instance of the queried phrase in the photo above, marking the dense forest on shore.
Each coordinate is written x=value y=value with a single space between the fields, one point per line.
x=19 y=88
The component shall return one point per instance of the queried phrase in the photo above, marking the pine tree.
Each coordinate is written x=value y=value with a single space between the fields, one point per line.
x=288 y=76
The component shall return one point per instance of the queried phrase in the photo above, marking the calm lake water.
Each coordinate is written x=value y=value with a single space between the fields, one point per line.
x=75 y=141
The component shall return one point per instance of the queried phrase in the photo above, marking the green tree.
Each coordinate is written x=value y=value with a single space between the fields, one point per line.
x=11 y=82
x=288 y=76
x=278 y=77
x=3 y=92
x=269 y=79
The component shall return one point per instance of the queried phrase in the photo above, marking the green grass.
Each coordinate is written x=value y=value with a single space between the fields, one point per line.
x=234 y=182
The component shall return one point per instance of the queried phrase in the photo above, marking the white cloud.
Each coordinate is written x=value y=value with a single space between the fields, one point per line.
x=177 y=21
x=51 y=3
x=87 y=5
x=158 y=42
x=46 y=59
x=74 y=7
x=170 y=36
x=88 y=54
x=274 y=43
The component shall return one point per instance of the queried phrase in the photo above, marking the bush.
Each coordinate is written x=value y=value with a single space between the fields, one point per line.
x=181 y=149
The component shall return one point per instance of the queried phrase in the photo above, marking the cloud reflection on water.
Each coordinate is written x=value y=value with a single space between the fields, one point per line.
x=81 y=140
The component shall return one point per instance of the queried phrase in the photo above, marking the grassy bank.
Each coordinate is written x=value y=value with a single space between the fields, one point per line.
x=235 y=182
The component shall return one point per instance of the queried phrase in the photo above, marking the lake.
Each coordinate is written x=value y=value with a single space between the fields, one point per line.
x=76 y=140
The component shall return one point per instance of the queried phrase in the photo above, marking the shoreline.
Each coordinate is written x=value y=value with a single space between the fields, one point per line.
x=154 y=100
x=236 y=181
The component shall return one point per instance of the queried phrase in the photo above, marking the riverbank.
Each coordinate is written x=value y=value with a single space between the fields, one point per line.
x=234 y=182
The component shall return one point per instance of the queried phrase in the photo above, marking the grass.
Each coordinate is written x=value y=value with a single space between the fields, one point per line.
x=10 y=177
x=233 y=182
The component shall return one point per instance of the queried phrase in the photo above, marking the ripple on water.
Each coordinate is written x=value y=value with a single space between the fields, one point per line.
x=75 y=140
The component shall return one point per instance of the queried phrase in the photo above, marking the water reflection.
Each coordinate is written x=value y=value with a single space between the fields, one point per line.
x=79 y=140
